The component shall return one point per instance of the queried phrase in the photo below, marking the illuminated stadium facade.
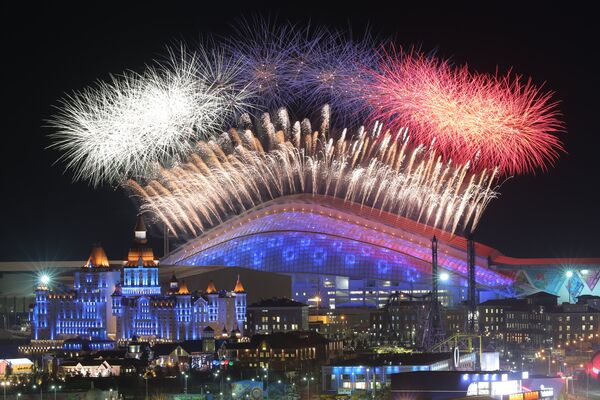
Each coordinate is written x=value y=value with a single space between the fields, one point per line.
x=341 y=254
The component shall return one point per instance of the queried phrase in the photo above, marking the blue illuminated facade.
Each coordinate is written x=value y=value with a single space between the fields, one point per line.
x=342 y=254
x=84 y=311
x=110 y=303
x=368 y=373
x=179 y=314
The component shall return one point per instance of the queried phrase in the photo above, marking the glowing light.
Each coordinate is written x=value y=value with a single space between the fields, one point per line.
x=585 y=272
x=491 y=120
x=569 y=274
x=444 y=276
x=45 y=279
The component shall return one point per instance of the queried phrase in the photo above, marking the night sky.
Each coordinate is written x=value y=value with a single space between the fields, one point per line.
x=49 y=51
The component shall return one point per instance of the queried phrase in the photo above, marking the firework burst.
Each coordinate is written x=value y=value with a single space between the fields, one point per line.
x=329 y=68
x=264 y=50
x=242 y=169
x=493 y=121
x=125 y=127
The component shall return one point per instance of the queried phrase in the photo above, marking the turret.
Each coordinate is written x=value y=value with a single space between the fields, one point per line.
x=183 y=310
x=40 y=310
x=140 y=273
x=240 y=302
x=117 y=296
x=212 y=296
x=97 y=258
x=173 y=285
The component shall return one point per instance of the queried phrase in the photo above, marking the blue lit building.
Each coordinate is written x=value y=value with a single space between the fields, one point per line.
x=120 y=302
x=374 y=372
x=342 y=254
x=84 y=311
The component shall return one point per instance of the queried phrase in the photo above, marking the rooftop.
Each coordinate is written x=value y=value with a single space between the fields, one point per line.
x=277 y=302
x=376 y=360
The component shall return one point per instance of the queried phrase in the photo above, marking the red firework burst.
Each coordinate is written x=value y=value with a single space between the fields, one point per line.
x=489 y=120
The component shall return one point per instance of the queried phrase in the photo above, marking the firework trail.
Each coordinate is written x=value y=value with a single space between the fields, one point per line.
x=493 y=121
x=243 y=168
x=123 y=128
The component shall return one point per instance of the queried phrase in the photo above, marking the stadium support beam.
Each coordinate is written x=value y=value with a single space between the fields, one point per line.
x=472 y=283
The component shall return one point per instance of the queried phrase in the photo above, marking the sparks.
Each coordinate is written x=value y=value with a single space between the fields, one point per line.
x=493 y=121
x=125 y=127
x=241 y=170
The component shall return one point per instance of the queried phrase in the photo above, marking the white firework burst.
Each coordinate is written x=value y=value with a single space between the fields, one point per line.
x=128 y=126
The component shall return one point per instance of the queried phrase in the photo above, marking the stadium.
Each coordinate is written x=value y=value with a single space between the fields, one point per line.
x=342 y=254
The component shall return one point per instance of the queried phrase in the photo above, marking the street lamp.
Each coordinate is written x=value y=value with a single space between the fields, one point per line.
x=54 y=387
x=35 y=387
x=146 y=380
x=4 y=385
x=185 y=378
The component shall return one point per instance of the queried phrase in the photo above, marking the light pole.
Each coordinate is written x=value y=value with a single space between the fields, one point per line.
x=185 y=378
x=145 y=378
x=35 y=387
x=307 y=388
x=54 y=387
x=569 y=275
x=4 y=385
x=266 y=379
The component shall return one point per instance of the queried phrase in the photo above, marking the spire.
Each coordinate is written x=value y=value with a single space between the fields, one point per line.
x=140 y=230
x=211 y=289
x=97 y=257
x=140 y=254
x=239 y=288
x=183 y=289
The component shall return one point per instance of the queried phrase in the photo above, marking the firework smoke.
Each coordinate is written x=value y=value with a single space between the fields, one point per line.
x=242 y=169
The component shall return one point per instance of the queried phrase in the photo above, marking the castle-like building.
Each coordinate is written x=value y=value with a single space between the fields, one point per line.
x=126 y=301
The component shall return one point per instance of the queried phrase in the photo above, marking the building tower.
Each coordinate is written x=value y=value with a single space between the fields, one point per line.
x=472 y=299
x=183 y=312
x=140 y=272
x=212 y=297
x=39 y=322
x=436 y=332
x=240 y=303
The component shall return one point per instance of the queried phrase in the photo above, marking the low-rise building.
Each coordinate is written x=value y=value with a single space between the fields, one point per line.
x=190 y=354
x=99 y=367
x=537 y=320
x=16 y=366
x=282 y=351
x=374 y=372
x=276 y=315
